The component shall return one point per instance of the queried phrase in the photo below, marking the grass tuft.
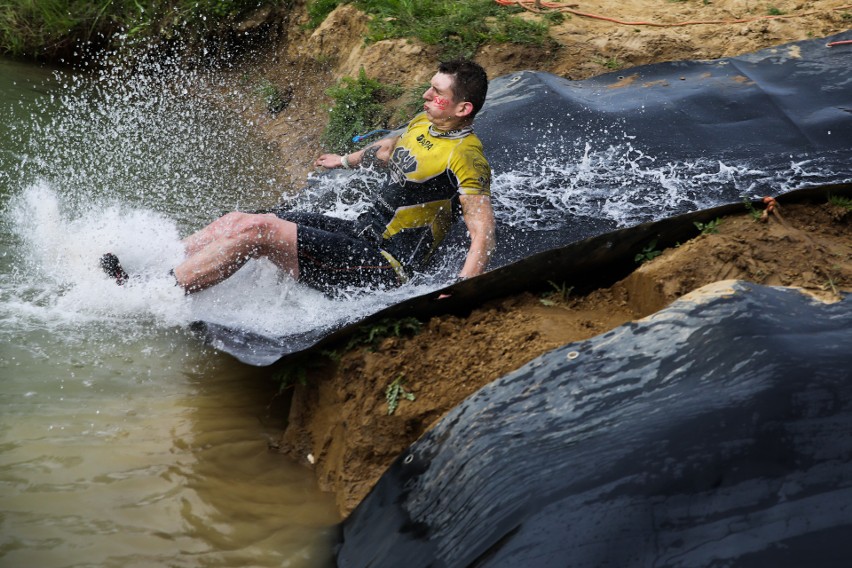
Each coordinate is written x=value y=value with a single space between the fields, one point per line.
x=52 y=29
x=458 y=28
x=358 y=107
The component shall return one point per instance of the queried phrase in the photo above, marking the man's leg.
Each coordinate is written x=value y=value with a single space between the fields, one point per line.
x=204 y=236
x=223 y=247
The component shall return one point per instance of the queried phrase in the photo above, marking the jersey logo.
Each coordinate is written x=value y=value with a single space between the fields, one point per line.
x=484 y=171
x=425 y=143
x=403 y=162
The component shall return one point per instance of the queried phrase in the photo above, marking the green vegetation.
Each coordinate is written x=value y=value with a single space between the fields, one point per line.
x=556 y=18
x=319 y=9
x=708 y=228
x=459 y=28
x=411 y=103
x=830 y=284
x=773 y=11
x=371 y=335
x=559 y=294
x=396 y=391
x=649 y=252
x=753 y=211
x=273 y=96
x=611 y=63
x=54 y=28
x=295 y=369
x=358 y=107
x=840 y=201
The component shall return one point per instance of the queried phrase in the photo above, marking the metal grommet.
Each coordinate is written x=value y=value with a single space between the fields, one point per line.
x=408 y=459
x=573 y=355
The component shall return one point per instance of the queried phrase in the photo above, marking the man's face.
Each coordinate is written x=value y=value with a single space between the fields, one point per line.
x=440 y=105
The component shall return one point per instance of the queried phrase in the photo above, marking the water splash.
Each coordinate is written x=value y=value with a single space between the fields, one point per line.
x=131 y=158
x=164 y=138
x=625 y=186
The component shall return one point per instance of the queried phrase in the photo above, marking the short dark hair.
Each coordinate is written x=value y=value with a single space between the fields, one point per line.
x=470 y=82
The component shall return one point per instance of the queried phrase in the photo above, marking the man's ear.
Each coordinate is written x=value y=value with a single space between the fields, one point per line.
x=464 y=109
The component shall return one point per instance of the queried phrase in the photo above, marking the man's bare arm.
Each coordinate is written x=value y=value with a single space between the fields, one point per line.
x=384 y=148
x=479 y=218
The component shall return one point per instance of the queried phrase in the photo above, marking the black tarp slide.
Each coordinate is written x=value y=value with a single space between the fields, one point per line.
x=717 y=432
x=781 y=118
x=584 y=265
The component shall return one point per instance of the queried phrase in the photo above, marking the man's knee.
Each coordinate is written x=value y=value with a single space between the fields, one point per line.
x=262 y=229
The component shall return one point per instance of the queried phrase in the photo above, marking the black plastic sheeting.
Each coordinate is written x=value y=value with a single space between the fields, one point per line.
x=790 y=99
x=766 y=109
x=584 y=265
x=717 y=432
x=771 y=110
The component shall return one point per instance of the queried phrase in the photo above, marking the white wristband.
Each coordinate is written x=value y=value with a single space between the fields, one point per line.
x=344 y=163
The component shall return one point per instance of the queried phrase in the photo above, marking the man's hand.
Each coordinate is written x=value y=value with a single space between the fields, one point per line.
x=384 y=148
x=329 y=161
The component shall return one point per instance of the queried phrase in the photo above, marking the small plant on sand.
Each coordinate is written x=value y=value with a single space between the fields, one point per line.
x=830 y=284
x=396 y=391
x=649 y=252
x=840 y=201
x=275 y=98
x=556 y=18
x=371 y=335
x=611 y=63
x=773 y=11
x=752 y=210
x=708 y=228
x=559 y=294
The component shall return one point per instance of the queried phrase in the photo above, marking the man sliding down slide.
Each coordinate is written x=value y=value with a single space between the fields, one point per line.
x=436 y=165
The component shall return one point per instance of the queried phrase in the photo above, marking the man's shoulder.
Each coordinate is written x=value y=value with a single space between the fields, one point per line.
x=420 y=120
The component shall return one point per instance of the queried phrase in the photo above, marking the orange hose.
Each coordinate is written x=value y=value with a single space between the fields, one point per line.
x=534 y=5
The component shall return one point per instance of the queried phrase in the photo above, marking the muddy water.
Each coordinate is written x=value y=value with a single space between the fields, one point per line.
x=123 y=440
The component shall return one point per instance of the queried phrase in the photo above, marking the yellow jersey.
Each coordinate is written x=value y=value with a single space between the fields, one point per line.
x=429 y=169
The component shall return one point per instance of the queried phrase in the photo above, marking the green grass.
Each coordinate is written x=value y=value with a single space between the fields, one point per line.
x=358 y=107
x=411 y=104
x=395 y=392
x=649 y=252
x=558 y=295
x=752 y=210
x=840 y=201
x=51 y=29
x=458 y=28
x=43 y=27
x=708 y=228
x=371 y=335
x=611 y=63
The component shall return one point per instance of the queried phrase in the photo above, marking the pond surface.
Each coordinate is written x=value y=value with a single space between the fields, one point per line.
x=123 y=440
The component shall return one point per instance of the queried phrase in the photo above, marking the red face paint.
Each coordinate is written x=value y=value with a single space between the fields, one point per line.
x=441 y=103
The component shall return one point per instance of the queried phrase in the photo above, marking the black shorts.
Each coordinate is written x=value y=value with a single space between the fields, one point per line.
x=332 y=256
